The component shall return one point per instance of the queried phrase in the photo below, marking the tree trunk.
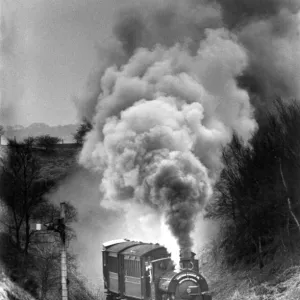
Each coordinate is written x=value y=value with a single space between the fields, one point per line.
x=288 y=199
x=27 y=233
x=17 y=226
x=258 y=247
x=260 y=256
x=18 y=237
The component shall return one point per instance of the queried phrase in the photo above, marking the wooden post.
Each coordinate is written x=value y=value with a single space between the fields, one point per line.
x=64 y=270
x=60 y=228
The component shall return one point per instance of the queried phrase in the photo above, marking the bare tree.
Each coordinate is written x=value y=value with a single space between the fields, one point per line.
x=23 y=186
x=255 y=197
x=19 y=190
x=81 y=132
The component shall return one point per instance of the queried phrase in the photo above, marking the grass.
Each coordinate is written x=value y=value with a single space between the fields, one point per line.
x=278 y=280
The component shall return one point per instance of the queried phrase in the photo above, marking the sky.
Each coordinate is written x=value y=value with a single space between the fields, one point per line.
x=48 y=50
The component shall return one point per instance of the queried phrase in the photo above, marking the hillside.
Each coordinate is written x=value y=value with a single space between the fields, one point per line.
x=10 y=291
x=38 y=271
x=278 y=280
x=240 y=286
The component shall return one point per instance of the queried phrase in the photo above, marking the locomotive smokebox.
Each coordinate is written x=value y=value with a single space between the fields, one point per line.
x=187 y=259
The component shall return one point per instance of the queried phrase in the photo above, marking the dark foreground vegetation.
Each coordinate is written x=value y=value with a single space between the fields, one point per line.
x=30 y=171
x=257 y=201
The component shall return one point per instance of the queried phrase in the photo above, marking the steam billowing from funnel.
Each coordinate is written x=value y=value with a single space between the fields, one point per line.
x=166 y=23
x=179 y=188
x=268 y=30
x=161 y=120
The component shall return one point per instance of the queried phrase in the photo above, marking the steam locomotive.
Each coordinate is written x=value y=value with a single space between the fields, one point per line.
x=136 y=270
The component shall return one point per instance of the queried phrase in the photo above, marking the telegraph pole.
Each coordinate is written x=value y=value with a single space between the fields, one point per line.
x=64 y=270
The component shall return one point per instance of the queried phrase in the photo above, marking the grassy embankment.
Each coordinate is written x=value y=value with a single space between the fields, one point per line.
x=278 y=280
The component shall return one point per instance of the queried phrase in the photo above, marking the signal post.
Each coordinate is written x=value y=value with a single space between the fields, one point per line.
x=64 y=270
x=59 y=226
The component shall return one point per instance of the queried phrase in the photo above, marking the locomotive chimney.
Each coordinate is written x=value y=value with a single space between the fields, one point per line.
x=186 y=259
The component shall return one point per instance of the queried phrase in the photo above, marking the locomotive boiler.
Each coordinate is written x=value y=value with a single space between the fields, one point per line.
x=136 y=270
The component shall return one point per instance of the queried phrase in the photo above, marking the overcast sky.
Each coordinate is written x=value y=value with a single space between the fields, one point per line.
x=48 y=50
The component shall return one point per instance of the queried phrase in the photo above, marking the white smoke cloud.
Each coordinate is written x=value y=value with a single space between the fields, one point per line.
x=160 y=123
